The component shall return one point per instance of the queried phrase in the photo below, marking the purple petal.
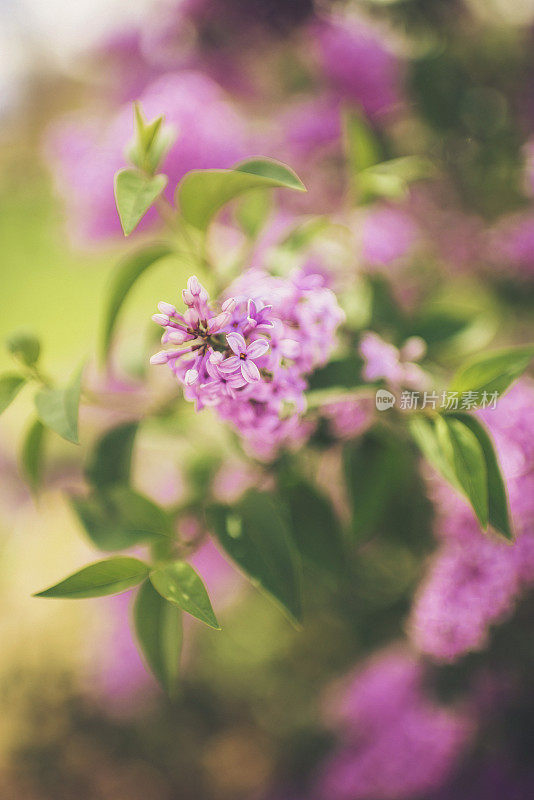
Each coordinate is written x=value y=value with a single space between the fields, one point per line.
x=289 y=348
x=191 y=376
x=249 y=371
x=258 y=348
x=237 y=343
x=229 y=365
x=251 y=310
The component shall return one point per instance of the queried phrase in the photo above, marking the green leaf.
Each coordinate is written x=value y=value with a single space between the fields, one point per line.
x=158 y=627
x=32 y=454
x=425 y=436
x=499 y=515
x=111 y=576
x=58 y=408
x=151 y=143
x=128 y=272
x=464 y=453
x=494 y=372
x=280 y=174
x=371 y=464
x=117 y=517
x=202 y=193
x=391 y=179
x=24 y=346
x=253 y=211
x=180 y=584
x=110 y=460
x=361 y=145
x=10 y=386
x=134 y=194
x=256 y=537
x=146 y=131
x=315 y=526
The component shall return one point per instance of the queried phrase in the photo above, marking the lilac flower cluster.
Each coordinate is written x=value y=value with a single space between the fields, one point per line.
x=249 y=357
x=475 y=578
x=395 y=741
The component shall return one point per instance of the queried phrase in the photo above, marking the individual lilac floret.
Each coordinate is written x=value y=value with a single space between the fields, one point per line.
x=244 y=360
x=475 y=578
x=249 y=357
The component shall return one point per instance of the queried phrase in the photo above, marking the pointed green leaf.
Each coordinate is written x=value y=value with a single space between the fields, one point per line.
x=180 y=584
x=315 y=526
x=10 y=386
x=146 y=132
x=151 y=142
x=494 y=372
x=280 y=174
x=256 y=537
x=134 y=194
x=499 y=515
x=58 y=408
x=454 y=450
x=391 y=179
x=32 y=453
x=158 y=627
x=371 y=465
x=129 y=270
x=111 y=576
x=202 y=193
x=464 y=453
x=426 y=438
x=253 y=211
x=361 y=145
x=117 y=517
x=110 y=460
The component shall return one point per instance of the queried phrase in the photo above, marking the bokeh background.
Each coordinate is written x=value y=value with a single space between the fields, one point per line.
x=450 y=80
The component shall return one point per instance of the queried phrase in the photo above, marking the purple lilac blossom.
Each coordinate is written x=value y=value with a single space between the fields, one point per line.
x=395 y=742
x=249 y=358
x=311 y=125
x=357 y=63
x=397 y=367
x=474 y=578
x=388 y=234
x=512 y=245
x=349 y=418
x=210 y=133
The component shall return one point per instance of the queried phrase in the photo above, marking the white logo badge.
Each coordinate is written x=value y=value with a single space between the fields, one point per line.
x=384 y=400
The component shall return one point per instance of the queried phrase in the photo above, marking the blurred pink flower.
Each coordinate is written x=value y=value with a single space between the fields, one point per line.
x=475 y=578
x=397 y=367
x=512 y=250
x=395 y=742
x=351 y=417
x=85 y=155
x=120 y=679
x=358 y=63
x=388 y=234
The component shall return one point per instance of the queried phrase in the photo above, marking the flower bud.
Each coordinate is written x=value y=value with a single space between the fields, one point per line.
x=167 y=309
